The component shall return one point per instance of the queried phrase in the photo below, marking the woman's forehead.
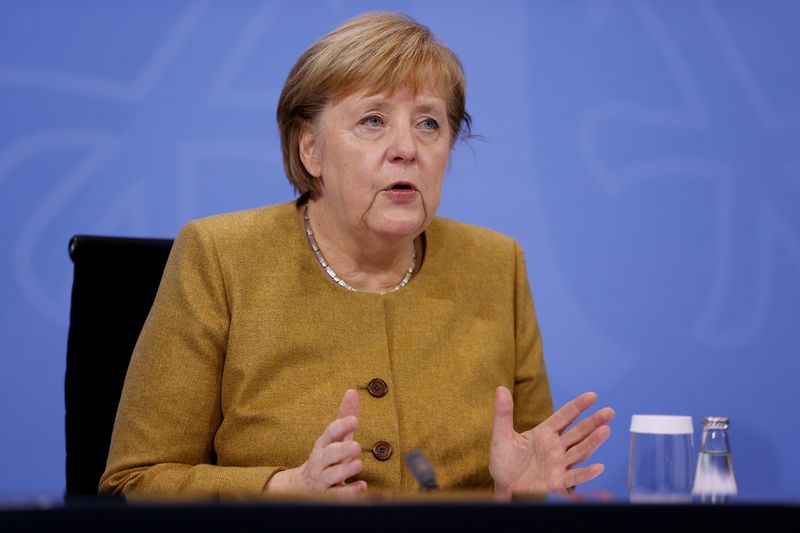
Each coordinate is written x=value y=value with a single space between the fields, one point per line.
x=419 y=97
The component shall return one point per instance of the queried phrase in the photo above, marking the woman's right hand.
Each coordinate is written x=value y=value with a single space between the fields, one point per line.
x=334 y=458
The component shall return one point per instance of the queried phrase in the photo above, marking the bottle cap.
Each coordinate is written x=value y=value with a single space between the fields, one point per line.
x=715 y=422
x=662 y=424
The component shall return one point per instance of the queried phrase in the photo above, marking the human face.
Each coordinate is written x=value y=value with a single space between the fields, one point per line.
x=381 y=159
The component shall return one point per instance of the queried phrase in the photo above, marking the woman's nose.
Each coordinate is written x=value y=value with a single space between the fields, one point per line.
x=402 y=145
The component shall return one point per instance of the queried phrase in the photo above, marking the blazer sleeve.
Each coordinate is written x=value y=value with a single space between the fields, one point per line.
x=170 y=408
x=532 y=400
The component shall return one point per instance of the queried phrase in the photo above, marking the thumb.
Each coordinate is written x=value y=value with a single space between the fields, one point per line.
x=503 y=414
x=350 y=404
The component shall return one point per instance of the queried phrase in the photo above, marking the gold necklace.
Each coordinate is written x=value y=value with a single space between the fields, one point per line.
x=332 y=273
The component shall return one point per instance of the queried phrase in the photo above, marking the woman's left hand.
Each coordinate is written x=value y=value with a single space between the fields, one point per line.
x=541 y=459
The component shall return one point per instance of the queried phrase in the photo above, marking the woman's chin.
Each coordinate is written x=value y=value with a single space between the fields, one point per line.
x=399 y=227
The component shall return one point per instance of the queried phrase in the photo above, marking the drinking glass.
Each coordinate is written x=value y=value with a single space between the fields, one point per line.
x=660 y=469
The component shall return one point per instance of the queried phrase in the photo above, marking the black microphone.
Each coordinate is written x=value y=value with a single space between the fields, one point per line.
x=421 y=469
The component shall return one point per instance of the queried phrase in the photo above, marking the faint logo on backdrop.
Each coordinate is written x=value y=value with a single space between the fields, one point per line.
x=769 y=211
x=222 y=151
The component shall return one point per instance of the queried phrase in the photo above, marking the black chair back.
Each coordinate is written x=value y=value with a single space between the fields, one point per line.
x=114 y=285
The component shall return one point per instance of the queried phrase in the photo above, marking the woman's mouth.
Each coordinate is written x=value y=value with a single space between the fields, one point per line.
x=401 y=192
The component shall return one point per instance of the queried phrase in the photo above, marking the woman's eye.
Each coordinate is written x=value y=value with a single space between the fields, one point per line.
x=429 y=124
x=372 y=121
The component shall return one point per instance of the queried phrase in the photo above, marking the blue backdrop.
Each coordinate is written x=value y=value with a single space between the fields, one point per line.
x=646 y=155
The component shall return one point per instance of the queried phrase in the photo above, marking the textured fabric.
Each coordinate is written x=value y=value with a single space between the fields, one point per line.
x=249 y=348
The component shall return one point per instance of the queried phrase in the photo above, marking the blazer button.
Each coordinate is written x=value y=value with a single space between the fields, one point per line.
x=382 y=450
x=378 y=388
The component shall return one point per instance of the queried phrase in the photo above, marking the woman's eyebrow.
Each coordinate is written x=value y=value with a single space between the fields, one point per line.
x=373 y=102
x=382 y=105
x=429 y=108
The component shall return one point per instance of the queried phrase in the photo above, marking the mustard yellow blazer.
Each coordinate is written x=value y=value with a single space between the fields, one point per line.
x=249 y=348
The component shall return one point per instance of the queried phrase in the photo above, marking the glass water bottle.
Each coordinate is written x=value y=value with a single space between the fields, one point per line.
x=714 y=481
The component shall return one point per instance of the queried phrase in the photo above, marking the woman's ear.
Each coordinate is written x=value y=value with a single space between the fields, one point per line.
x=309 y=148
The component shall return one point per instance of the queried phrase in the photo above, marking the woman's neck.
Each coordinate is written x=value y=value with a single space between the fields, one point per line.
x=366 y=261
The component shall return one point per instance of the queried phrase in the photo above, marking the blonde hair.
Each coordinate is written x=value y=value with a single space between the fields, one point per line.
x=377 y=52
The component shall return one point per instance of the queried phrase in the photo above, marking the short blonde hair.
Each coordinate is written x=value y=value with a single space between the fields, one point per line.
x=377 y=52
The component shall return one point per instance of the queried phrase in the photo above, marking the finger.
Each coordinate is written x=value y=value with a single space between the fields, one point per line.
x=338 y=452
x=335 y=474
x=565 y=416
x=349 y=491
x=583 y=428
x=337 y=431
x=584 y=449
x=577 y=476
x=503 y=414
x=349 y=406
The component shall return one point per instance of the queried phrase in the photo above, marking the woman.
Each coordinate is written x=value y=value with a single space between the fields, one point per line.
x=305 y=347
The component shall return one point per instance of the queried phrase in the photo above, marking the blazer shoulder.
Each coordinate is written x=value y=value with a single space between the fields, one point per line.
x=268 y=222
x=472 y=238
